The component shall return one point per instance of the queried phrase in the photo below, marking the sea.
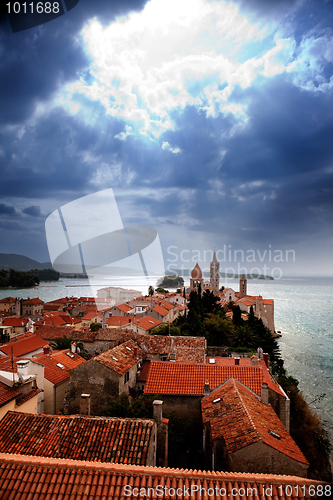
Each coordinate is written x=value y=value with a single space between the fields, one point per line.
x=303 y=313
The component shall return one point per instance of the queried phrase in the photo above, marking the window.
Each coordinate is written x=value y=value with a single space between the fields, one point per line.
x=126 y=377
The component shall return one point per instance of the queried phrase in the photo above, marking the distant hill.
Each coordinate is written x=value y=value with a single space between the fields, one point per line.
x=21 y=263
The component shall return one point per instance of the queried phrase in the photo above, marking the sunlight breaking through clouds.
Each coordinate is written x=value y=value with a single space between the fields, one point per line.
x=190 y=52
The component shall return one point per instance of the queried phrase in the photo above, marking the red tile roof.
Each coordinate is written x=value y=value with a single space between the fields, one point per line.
x=167 y=305
x=189 y=378
x=247 y=362
x=38 y=478
x=23 y=399
x=124 y=308
x=121 y=358
x=7 y=394
x=91 y=315
x=100 y=439
x=160 y=310
x=118 y=320
x=33 y=301
x=146 y=322
x=52 y=332
x=56 y=374
x=237 y=415
x=24 y=346
x=15 y=322
x=8 y=300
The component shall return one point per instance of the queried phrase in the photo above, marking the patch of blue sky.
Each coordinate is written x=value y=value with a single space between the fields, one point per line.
x=140 y=102
x=88 y=77
x=254 y=49
x=115 y=82
x=195 y=86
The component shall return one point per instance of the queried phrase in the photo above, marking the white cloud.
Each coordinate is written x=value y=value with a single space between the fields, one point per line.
x=122 y=135
x=176 y=53
x=167 y=146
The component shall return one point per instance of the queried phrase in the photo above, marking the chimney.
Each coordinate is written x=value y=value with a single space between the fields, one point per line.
x=46 y=349
x=265 y=356
x=264 y=393
x=73 y=348
x=161 y=435
x=85 y=404
x=157 y=411
x=23 y=367
x=254 y=360
x=135 y=352
x=206 y=388
x=237 y=361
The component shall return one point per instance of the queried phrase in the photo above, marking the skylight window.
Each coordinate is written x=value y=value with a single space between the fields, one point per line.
x=116 y=359
x=217 y=400
x=128 y=348
x=59 y=365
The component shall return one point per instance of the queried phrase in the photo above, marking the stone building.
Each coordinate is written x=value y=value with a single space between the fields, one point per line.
x=104 y=377
x=243 y=434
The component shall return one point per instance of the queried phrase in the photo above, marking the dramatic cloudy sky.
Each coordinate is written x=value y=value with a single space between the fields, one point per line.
x=211 y=120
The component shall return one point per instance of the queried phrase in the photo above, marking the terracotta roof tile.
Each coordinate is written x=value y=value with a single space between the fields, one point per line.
x=24 y=346
x=145 y=322
x=189 y=378
x=121 y=358
x=7 y=394
x=15 y=322
x=118 y=320
x=51 y=332
x=247 y=362
x=23 y=399
x=54 y=373
x=236 y=413
x=101 y=439
x=124 y=308
x=160 y=310
x=38 y=478
x=8 y=300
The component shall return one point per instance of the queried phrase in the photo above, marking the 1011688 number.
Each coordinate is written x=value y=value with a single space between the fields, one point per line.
x=31 y=8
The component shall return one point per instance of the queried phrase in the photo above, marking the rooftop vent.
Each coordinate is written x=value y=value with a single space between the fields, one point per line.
x=274 y=434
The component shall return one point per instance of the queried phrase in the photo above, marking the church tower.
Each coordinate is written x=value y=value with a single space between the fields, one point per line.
x=242 y=286
x=215 y=274
x=196 y=278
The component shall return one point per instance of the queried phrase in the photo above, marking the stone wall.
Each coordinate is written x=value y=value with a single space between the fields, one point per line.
x=258 y=457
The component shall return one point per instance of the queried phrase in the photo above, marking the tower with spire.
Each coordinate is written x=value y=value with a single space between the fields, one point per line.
x=215 y=274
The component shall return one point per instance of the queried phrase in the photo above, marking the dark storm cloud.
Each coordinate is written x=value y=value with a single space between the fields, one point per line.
x=7 y=210
x=35 y=62
x=34 y=211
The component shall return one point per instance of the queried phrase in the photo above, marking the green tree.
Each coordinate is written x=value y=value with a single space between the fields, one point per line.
x=62 y=343
x=219 y=330
x=237 y=315
x=245 y=337
x=165 y=328
x=94 y=327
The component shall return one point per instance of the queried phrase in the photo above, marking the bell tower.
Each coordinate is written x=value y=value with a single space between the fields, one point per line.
x=215 y=274
x=242 y=286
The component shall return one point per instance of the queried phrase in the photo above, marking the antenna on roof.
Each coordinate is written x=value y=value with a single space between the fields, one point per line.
x=12 y=357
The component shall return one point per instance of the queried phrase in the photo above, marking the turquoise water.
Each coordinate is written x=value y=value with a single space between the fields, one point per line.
x=303 y=313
